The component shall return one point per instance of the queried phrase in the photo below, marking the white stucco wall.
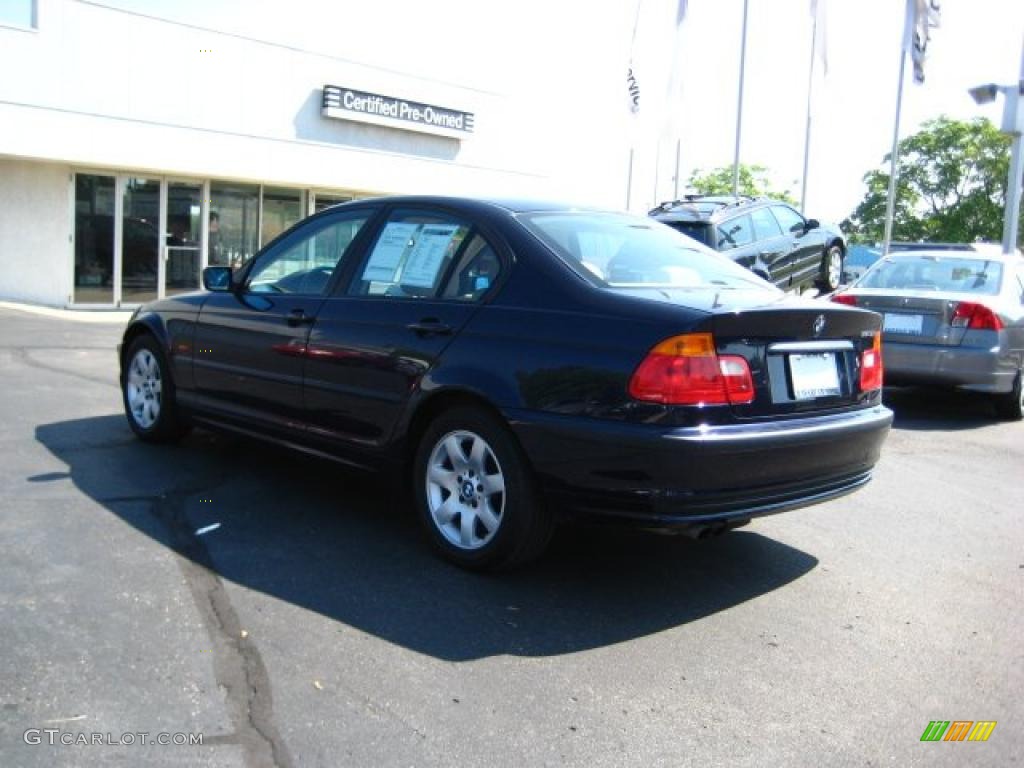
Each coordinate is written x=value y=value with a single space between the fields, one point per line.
x=104 y=88
x=35 y=227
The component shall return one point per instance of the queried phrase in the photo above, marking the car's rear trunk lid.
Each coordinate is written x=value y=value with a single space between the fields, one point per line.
x=804 y=356
x=915 y=317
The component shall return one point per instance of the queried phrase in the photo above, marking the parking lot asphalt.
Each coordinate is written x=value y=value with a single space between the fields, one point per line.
x=313 y=627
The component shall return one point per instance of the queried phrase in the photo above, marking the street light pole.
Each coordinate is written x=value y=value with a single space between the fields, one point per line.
x=1013 y=122
x=1013 y=190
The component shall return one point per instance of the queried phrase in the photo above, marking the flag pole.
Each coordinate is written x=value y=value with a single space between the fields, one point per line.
x=807 y=133
x=629 y=178
x=890 y=202
x=739 y=105
x=675 y=187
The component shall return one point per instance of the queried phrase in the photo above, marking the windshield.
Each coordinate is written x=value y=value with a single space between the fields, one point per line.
x=621 y=251
x=935 y=273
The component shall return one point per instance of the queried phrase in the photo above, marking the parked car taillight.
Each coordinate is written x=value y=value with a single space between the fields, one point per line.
x=845 y=298
x=871 y=365
x=975 y=316
x=686 y=370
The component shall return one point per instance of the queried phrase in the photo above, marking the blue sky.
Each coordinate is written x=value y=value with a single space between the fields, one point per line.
x=571 y=55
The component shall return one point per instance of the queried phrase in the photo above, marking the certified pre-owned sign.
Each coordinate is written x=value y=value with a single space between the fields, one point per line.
x=363 y=107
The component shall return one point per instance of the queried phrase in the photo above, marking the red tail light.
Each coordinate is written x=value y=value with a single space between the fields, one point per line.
x=975 y=316
x=845 y=298
x=686 y=370
x=871 y=366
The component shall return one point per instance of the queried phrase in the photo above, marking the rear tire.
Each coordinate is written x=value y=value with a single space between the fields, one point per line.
x=831 y=269
x=1011 y=405
x=475 y=493
x=148 y=394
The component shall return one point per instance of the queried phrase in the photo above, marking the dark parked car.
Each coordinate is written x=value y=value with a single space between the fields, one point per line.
x=952 y=318
x=521 y=361
x=766 y=236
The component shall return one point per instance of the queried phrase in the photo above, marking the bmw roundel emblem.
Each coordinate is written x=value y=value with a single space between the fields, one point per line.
x=819 y=325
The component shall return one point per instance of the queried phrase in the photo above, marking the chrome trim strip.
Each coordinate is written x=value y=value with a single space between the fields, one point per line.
x=839 y=422
x=825 y=345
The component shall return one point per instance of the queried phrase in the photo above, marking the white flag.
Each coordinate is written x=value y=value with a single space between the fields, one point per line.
x=820 y=16
x=922 y=17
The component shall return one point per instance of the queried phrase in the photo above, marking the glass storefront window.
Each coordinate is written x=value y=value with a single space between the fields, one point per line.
x=140 y=240
x=94 y=239
x=281 y=209
x=184 y=232
x=323 y=200
x=234 y=218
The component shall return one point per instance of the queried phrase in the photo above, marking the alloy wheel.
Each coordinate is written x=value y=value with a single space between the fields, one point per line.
x=834 y=267
x=465 y=489
x=144 y=389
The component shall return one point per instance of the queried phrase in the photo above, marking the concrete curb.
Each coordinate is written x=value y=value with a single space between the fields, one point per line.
x=76 y=315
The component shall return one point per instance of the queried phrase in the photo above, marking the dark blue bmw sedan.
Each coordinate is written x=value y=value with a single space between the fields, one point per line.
x=521 y=362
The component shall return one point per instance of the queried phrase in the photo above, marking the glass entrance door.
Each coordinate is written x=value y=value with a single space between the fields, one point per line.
x=140 y=240
x=183 y=237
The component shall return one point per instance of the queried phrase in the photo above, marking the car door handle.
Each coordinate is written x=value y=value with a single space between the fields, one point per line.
x=430 y=326
x=299 y=317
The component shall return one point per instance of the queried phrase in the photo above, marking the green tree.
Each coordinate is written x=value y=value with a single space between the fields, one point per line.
x=950 y=186
x=754 y=181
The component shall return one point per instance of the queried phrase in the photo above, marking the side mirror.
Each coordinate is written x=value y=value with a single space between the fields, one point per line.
x=811 y=224
x=217 y=278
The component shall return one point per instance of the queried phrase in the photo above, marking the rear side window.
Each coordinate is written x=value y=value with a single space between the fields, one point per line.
x=735 y=232
x=411 y=256
x=934 y=273
x=617 y=250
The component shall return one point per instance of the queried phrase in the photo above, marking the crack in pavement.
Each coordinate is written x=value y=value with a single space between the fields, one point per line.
x=238 y=666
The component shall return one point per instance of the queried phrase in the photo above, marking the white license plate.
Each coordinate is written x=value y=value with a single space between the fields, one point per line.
x=911 y=324
x=814 y=375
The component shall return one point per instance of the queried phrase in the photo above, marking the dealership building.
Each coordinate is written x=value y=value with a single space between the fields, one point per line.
x=136 y=149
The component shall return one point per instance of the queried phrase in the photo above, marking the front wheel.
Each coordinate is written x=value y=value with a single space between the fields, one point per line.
x=475 y=494
x=1011 y=405
x=148 y=393
x=831 y=269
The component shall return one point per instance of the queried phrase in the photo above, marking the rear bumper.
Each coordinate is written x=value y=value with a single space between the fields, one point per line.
x=700 y=476
x=968 y=368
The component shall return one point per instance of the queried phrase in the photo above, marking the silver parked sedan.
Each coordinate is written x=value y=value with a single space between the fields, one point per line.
x=951 y=319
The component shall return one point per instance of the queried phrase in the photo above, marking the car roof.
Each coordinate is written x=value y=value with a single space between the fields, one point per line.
x=707 y=208
x=510 y=205
x=991 y=252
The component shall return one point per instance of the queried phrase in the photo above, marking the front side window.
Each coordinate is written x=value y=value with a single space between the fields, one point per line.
x=935 y=273
x=305 y=266
x=735 y=233
x=411 y=256
x=620 y=251
x=789 y=220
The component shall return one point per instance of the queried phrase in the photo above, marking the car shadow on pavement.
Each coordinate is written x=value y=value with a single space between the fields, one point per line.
x=926 y=409
x=340 y=544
